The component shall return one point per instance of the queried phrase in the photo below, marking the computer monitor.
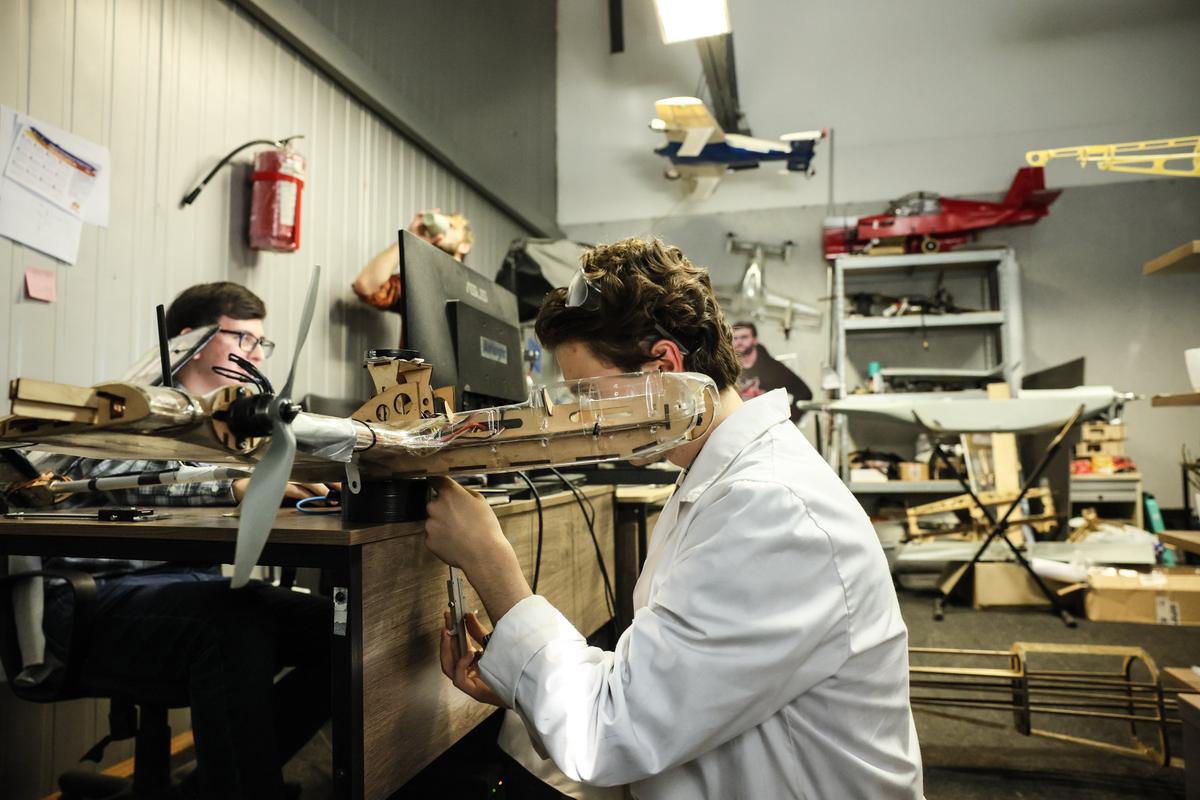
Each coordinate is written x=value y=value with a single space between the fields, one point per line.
x=1058 y=471
x=461 y=323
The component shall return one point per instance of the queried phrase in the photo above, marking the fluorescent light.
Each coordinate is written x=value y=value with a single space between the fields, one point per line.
x=681 y=20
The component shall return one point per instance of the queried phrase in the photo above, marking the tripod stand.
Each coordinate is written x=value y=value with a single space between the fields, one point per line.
x=999 y=527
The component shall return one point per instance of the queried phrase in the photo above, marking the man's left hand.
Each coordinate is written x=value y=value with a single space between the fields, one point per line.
x=463 y=668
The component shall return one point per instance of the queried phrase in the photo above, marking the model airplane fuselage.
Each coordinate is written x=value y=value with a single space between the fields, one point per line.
x=924 y=222
x=398 y=433
x=404 y=431
x=701 y=153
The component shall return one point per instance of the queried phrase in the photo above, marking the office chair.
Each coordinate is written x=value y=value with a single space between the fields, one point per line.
x=141 y=715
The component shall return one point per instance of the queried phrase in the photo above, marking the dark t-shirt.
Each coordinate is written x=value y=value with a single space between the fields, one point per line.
x=768 y=374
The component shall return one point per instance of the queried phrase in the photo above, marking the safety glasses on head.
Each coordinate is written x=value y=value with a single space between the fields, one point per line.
x=584 y=294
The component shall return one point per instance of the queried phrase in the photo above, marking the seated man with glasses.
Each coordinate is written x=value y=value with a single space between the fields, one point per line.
x=157 y=622
x=767 y=657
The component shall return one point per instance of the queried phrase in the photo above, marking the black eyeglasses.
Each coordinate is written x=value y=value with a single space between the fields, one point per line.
x=583 y=293
x=248 y=341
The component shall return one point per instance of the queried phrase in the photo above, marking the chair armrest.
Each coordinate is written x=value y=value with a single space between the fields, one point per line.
x=83 y=586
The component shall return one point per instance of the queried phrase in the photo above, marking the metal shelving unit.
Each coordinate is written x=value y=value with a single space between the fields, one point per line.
x=998 y=322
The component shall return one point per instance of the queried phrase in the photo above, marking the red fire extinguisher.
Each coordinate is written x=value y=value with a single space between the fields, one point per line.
x=275 y=203
x=278 y=183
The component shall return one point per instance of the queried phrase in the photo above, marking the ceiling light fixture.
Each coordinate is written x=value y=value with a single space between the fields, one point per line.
x=683 y=20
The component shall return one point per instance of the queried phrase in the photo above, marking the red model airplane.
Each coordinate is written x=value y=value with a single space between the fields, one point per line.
x=923 y=222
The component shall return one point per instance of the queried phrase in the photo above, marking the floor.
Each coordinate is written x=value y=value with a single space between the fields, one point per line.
x=963 y=761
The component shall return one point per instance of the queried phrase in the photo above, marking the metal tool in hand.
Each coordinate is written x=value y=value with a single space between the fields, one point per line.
x=454 y=588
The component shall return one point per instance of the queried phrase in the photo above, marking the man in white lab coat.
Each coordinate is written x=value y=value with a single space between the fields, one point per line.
x=767 y=658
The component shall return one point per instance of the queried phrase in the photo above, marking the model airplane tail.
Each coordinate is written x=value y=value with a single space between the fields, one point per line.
x=804 y=146
x=1028 y=189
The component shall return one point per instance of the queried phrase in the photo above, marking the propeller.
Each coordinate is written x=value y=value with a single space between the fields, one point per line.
x=275 y=413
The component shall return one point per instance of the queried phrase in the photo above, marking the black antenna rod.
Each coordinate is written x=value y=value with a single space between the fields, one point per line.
x=164 y=352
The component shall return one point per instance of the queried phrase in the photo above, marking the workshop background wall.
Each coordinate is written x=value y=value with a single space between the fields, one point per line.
x=929 y=94
x=170 y=86
x=1083 y=294
x=482 y=72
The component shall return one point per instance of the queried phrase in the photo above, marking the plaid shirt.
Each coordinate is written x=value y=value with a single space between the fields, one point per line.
x=208 y=493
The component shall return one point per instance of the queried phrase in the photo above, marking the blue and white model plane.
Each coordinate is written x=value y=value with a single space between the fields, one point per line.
x=701 y=153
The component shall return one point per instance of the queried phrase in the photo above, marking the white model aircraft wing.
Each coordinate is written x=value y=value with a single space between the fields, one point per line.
x=1032 y=410
x=755 y=145
x=780 y=302
x=682 y=114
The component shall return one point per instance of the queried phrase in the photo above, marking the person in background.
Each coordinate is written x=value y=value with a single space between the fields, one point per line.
x=767 y=657
x=156 y=622
x=378 y=285
x=761 y=372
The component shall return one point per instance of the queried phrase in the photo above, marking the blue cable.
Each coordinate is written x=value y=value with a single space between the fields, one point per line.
x=302 y=506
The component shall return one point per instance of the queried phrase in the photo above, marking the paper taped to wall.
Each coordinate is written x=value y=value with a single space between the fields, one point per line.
x=48 y=169
x=52 y=183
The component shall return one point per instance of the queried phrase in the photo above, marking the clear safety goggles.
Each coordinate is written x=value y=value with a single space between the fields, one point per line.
x=584 y=294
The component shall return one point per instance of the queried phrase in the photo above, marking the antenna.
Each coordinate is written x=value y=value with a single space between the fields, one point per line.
x=164 y=353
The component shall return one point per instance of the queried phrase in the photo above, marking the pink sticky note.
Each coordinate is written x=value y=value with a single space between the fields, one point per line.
x=39 y=285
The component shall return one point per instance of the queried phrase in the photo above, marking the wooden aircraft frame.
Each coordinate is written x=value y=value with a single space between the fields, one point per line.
x=1131 y=695
x=400 y=432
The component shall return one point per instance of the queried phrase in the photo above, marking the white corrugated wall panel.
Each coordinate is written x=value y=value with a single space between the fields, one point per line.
x=170 y=86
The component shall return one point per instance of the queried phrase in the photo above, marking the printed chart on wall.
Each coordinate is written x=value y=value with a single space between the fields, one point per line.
x=52 y=183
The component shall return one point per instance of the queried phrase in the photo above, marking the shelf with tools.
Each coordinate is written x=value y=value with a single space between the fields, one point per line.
x=943 y=487
x=963 y=320
x=944 y=321
x=1181 y=399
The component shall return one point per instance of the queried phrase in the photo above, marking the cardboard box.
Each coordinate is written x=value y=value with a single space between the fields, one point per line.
x=1002 y=583
x=1005 y=583
x=1164 y=596
x=914 y=471
x=1101 y=432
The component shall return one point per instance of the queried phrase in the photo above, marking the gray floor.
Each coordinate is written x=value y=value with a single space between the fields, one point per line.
x=965 y=761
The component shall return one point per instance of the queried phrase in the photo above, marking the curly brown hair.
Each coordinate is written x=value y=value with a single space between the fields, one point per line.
x=643 y=284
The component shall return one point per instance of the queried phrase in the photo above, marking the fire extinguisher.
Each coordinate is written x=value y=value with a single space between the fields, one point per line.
x=278 y=183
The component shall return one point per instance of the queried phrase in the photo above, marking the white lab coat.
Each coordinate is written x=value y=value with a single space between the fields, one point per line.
x=767 y=658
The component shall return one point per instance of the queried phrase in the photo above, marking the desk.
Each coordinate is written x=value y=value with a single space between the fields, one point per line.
x=1187 y=541
x=637 y=512
x=1119 y=495
x=394 y=711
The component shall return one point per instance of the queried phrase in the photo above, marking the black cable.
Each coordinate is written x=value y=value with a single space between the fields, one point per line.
x=585 y=504
x=194 y=193
x=537 y=559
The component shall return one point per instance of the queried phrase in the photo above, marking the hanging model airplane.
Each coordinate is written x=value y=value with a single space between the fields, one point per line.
x=749 y=300
x=404 y=431
x=1150 y=157
x=923 y=222
x=701 y=153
